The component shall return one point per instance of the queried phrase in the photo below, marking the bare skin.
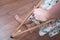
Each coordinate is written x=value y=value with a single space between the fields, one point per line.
x=43 y=15
x=54 y=12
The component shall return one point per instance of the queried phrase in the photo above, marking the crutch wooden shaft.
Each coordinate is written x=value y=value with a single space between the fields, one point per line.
x=26 y=18
x=44 y=23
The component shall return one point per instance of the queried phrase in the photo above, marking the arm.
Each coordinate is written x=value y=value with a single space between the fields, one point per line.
x=54 y=12
x=43 y=15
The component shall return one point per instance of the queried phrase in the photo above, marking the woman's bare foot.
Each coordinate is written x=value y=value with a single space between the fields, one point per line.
x=27 y=24
x=18 y=19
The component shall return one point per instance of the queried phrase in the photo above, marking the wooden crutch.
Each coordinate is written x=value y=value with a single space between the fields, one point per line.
x=32 y=28
x=15 y=33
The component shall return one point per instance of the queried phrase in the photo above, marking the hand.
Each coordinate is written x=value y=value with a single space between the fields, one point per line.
x=40 y=14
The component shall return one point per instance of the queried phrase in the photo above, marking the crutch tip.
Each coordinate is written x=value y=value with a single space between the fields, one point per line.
x=11 y=37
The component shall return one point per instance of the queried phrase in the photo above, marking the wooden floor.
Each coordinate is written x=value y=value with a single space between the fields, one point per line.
x=8 y=24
